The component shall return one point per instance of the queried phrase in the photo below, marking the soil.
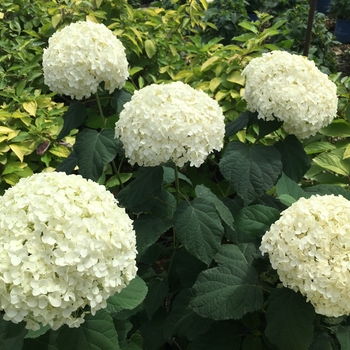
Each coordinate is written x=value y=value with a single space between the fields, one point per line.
x=342 y=53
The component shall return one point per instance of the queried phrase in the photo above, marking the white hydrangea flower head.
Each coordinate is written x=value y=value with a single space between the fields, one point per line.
x=81 y=56
x=170 y=122
x=64 y=244
x=309 y=246
x=292 y=89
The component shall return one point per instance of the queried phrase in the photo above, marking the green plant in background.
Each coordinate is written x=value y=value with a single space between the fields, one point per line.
x=322 y=39
x=225 y=15
x=202 y=281
x=340 y=9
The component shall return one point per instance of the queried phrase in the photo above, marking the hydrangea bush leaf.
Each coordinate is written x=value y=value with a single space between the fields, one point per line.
x=94 y=151
x=129 y=297
x=73 y=118
x=294 y=159
x=255 y=219
x=227 y=292
x=289 y=320
x=199 y=228
x=98 y=332
x=251 y=171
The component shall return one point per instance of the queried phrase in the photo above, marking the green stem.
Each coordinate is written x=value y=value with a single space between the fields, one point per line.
x=104 y=120
x=117 y=173
x=175 y=241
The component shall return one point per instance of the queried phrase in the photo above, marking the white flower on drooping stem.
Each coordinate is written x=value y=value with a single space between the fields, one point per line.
x=309 y=246
x=64 y=245
x=81 y=56
x=292 y=89
x=170 y=122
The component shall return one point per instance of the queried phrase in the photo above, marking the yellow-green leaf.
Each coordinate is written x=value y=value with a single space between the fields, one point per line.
x=347 y=152
x=20 y=151
x=43 y=101
x=60 y=151
x=5 y=130
x=236 y=77
x=11 y=179
x=334 y=161
x=220 y=95
x=30 y=107
x=56 y=19
x=209 y=63
x=214 y=84
x=150 y=48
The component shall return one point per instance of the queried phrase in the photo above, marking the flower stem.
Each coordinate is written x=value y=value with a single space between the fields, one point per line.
x=104 y=120
x=117 y=173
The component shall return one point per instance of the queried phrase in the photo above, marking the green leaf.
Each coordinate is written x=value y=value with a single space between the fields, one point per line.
x=147 y=183
x=11 y=335
x=343 y=335
x=187 y=267
x=251 y=342
x=322 y=341
x=68 y=165
x=150 y=48
x=319 y=147
x=286 y=186
x=338 y=128
x=325 y=190
x=255 y=220
x=199 y=228
x=95 y=150
x=73 y=118
x=38 y=333
x=134 y=343
x=46 y=341
x=158 y=289
x=334 y=161
x=148 y=229
x=227 y=292
x=129 y=297
x=289 y=320
x=120 y=97
x=267 y=127
x=294 y=159
x=182 y=320
x=243 y=120
x=228 y=252
x=96 y=333
x=151 y=331
x=221 y=336
x=205 y=193
x=251 y=171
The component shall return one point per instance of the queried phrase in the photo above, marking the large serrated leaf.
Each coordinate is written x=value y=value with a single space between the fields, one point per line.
x=96 y=333
x=148 y=229
x=243 y=120
x=294 y=159
x=129 y=297
x=227 y=292
x=205 y=193
x=68 y=165
x=95 y=150
x=251 y=171
x=221 y=336
x=182 y=320
x=73 y=118
x=199 y=228
x=289 y=320
x=255 y=220
x=286 y=186
x=158 y=288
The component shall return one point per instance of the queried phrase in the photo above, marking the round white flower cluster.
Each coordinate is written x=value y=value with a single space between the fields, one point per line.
x=81 y=56
x=170 y=122
x=292 y=89
x=64 y=244
x=309 y=246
